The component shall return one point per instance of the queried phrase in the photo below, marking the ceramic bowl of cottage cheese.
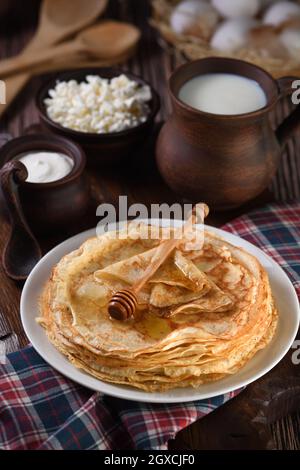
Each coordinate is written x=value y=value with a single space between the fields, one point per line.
x=108 y=112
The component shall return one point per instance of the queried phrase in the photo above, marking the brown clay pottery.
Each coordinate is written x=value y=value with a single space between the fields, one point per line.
x=48 y=206
x=224 y=160
x=38 y=207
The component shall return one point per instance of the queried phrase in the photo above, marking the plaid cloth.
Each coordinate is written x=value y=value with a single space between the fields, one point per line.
x=276 y=230
x=40 y=409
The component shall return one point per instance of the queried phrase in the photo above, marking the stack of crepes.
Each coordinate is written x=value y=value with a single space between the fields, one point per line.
x=202 y=316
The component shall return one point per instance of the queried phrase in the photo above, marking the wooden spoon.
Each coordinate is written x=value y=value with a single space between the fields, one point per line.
x=58 y=20
x=123 y=304
x=105 y=40
x=77 y=62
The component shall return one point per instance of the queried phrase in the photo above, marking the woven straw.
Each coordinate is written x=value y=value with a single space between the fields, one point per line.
x=195 y=47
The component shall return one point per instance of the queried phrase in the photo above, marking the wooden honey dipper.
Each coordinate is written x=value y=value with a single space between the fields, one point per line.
x=123 y=303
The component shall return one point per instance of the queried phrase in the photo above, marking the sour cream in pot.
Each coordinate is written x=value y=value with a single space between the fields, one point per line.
x=46 y=167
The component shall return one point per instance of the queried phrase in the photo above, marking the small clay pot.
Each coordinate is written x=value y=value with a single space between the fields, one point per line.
x=47 y=206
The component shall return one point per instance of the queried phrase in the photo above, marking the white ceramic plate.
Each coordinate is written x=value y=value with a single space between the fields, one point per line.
x=283 y=291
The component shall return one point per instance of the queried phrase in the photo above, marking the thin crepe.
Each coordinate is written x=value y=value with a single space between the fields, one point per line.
x=203 y=315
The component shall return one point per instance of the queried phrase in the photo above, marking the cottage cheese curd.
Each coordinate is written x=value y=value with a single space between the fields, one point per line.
x=99 y=105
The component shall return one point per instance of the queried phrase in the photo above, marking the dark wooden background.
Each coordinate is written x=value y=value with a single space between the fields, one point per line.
x=250 y=421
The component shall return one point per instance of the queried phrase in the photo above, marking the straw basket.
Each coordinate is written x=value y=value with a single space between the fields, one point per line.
x=195 y=47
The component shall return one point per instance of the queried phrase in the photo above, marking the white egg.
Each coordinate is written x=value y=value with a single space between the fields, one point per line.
x=290 y=38
x=237 y=8
x=280 y=12
x=185 y=14
x=232 y=35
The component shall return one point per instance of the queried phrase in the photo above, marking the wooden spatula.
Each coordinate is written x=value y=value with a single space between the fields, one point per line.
x=123 y=304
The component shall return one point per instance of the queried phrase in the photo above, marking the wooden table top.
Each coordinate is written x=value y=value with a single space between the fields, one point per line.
x=258 y=418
